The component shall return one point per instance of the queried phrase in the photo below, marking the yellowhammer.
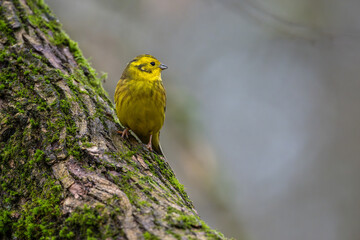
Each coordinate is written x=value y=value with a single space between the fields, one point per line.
x=140 y=100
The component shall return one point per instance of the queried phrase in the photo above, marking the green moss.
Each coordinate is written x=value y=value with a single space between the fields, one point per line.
x=150 y=236
x=144 y=204
x=6 y=30
x=175 y=235
x=39 y=216
x=178 y=219
x=34 y=123
x=40 y=219
x=87 y=144
x=38 y=157
x=66 y=233
x=186 y=222
x=170 y=176
x=90 y=223
x=147 y=179
x=42 y=106
x=5 y=223
x=3 y=54
x=181 y=220
x=65 y=106
x=126 y=184
x=211 y=233
x=44 y=19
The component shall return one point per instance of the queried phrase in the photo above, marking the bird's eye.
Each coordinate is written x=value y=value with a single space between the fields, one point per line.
x=152 y=63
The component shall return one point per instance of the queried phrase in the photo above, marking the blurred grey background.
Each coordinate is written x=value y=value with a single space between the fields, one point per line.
x=263 y=112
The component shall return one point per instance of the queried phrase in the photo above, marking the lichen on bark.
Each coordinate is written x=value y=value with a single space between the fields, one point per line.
x=65 y=171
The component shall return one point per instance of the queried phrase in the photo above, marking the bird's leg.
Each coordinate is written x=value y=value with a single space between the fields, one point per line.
x=124 y=133
x=149 y=145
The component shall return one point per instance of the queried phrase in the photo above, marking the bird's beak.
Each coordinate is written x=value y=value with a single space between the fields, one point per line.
x=163 y=66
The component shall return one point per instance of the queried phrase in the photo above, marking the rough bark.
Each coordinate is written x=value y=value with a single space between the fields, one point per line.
x=65 y=171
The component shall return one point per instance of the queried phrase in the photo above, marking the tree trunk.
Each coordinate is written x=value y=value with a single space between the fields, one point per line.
x=65 y=171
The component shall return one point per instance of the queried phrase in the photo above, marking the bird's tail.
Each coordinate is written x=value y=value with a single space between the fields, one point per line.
x=156 y=143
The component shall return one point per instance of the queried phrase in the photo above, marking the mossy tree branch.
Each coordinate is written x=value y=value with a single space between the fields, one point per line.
x=65 y=171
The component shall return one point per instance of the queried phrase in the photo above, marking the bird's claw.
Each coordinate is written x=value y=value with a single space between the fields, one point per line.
x=149 y=145
x=125 y=133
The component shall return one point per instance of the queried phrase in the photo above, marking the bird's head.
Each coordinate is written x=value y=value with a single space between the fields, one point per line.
x=144 y=67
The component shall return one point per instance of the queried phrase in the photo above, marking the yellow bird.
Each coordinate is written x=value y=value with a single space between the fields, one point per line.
x=140 y=100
